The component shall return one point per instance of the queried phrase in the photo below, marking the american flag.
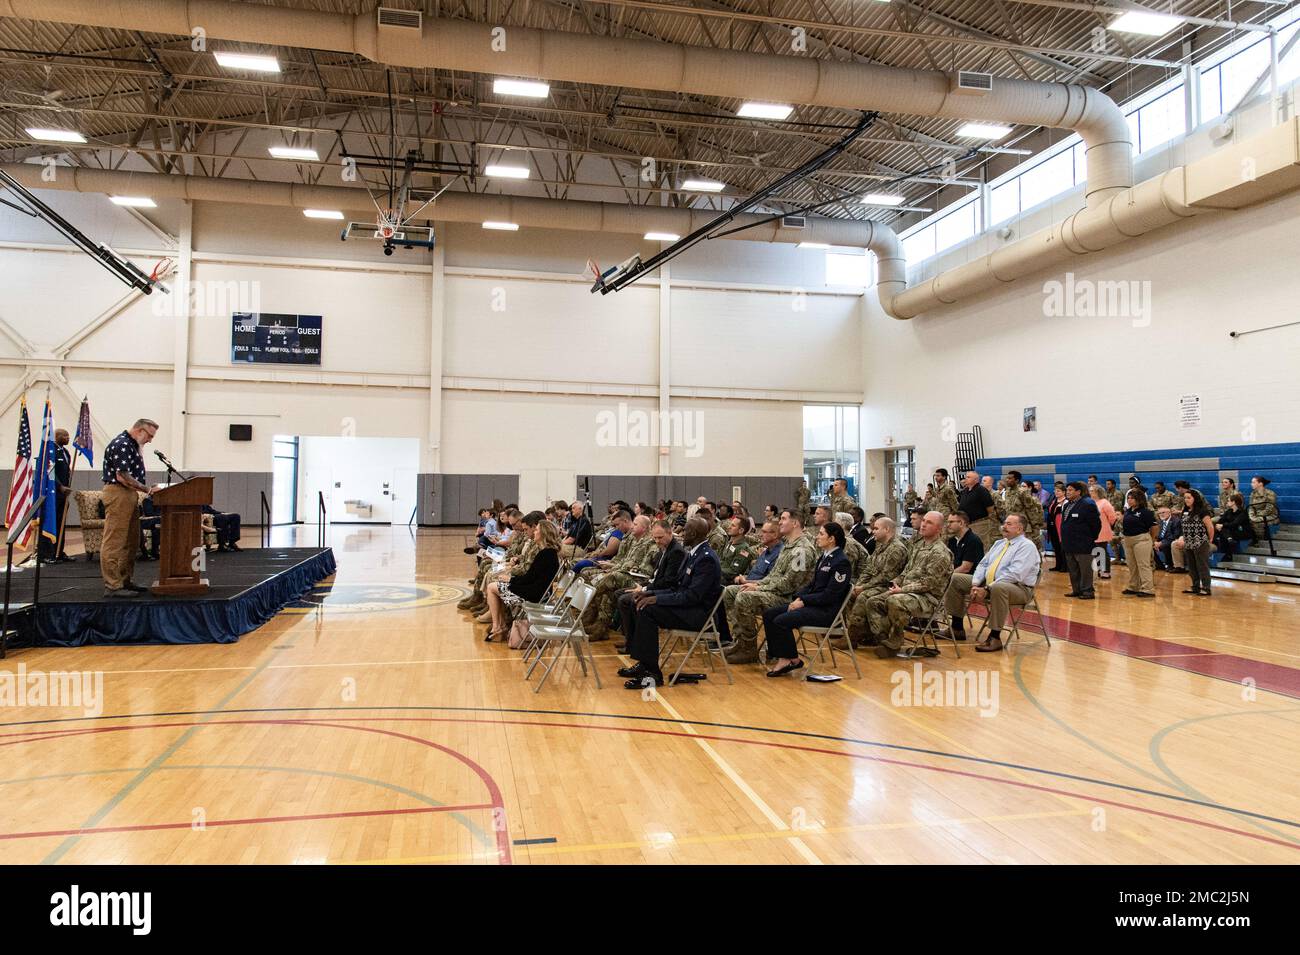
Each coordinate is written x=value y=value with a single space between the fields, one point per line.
x=20 y=491
x=85 y=438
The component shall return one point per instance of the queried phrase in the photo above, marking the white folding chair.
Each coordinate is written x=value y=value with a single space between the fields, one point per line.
x=1014 y=618
x=572 y=637
x=926 y=641
x=706 y=634
x=824 y=636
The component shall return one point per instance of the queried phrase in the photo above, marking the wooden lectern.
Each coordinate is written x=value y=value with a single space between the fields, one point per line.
x=181 y=527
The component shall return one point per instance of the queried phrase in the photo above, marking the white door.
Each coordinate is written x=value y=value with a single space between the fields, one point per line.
x=403 y=495
x=561 y=486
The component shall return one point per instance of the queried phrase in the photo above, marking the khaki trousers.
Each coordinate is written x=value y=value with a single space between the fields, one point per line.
x=1139 y=553
x=987 y=530
x=1003 y=594
x=121 y=535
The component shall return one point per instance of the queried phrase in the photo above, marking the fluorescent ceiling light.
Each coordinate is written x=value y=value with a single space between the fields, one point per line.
x=701 y=185
x=881 y=199
x=294 y=152
x=248 y=61
x=55 y=135
x=983 y=131
x=813 y=245
x=662 y=236
x=322 y=213
x=1145 y=23
x=506 y=172
x=765 y=110
x=134 y=202
x=502 y=226
x=531 y=88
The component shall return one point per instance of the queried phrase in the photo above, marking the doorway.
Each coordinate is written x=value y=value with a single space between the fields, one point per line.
x=359 y=480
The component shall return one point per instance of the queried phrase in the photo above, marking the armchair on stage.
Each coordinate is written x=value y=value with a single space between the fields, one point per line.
x=181 y=507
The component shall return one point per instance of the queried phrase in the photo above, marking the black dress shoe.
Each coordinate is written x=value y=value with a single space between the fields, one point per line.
x=136 y=588
x=1071 y=594
x=636 y=669
x=621 y=648
x=1129 y=590
x=120 y=594
x=788 y=668
x=1087 y=596
x=646 y=679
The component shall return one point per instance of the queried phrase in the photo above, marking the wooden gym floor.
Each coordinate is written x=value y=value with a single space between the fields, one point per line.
x=373 y=725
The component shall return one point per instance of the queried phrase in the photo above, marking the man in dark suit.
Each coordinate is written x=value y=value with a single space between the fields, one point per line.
x=860 y=532
x=62 y=482
x=1080 y=527
x=671 y=557
x=1170 y=528
x=685 y=605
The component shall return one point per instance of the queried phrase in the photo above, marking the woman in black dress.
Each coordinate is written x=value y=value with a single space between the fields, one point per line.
x=506 y=598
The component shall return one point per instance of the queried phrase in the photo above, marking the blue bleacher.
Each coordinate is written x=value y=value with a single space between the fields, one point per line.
x=1280 y=463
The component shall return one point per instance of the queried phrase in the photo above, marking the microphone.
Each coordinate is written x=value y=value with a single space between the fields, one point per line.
x=171 y=468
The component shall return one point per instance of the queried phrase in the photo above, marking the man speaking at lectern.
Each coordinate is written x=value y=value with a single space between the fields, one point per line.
x=124 y=476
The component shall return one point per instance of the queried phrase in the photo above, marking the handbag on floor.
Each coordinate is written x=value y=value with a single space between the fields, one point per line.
x=519 y=633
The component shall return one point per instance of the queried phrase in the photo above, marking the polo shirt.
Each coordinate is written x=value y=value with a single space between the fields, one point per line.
x=968 y=548
x=975 y=502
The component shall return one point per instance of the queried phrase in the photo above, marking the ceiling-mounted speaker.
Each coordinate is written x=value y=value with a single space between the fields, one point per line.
x=241 y=432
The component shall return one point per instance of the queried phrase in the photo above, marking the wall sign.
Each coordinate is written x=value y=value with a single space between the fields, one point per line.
x=271 y=338
x=1189 y=410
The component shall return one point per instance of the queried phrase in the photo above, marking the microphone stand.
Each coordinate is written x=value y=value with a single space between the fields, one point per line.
x=170 y=470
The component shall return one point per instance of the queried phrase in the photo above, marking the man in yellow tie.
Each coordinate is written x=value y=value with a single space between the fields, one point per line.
x=1006 y=577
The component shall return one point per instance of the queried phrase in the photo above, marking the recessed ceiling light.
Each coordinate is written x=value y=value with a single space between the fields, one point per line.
x=532 y=88
x=1145 y=23
x=701 y=185
x=134 y=202
x=765 y=110
x=506 y=172
x=322 y=213
x=983 y=131
x=881 y=199
x=55 y=135
x=247 y=61
x=813 y=245
x=502 y=226
x=662 y=236
x=294 y=152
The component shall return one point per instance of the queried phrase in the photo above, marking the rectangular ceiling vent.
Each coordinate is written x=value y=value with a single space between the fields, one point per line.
x=794 y=222
x=401 y=19
x=969 y=82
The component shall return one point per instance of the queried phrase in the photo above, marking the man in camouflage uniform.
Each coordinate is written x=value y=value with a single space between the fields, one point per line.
x=999 y=504
x=854 y=551
x=637 y=554
x=944 y=498
x=717 y=536
x=738 y=552
x=874 y=574
x=910 y=499
x=1115 y=496
x=1018 y=499
x=841 y=503
x=801 y=498
x=916 y=592
x=744 y=603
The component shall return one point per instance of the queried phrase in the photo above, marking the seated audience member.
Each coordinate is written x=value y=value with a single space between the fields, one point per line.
x=700 y=502
x=815 y=605
x=1080 y=528
x=1169 y=530
x=636 y=558
x=1227 y=488
x=150 y=521
x=854 y=551
x=518 y=557
x=1139 y=525
x=967 y=549
x=579 y=533
x=1181 y=487
x=506 y=598
x=884 y=564
x=915 y=592
x=1263 y=508
x=1054 y=527
x=608 y=550
x=668 y=557
x=738 y=551
x=1005 y=577
x=1198 y=541
x=870 y=543
x=1233 y=526
x=790 y=567
x=686 y=605
x=976 y=503
x=860 y=531
x=227 y=525
x=771 y=513
x=1106 y=513
x=913 y=528
x=487 y=527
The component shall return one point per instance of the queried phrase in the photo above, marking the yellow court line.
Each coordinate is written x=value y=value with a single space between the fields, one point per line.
x=787 y=833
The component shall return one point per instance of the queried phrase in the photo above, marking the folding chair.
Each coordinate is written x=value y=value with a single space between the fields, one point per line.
x=573 y=637
x=926 y=642
x=561 y=613
x=838 y=628
x=706 y=633
x=1014 y=618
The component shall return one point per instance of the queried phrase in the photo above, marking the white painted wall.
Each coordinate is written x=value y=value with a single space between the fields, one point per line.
x=376 y=471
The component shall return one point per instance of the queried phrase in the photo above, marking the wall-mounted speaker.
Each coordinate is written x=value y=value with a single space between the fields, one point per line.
x=241 y=432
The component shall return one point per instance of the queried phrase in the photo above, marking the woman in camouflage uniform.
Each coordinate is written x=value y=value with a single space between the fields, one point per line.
x=1263 y=506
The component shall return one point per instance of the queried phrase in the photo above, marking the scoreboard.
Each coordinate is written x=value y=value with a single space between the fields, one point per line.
x=272 y=338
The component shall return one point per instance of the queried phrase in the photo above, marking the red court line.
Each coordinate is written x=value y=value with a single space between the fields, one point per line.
x=1273 y=677
x=715 y=738
x=497 y=805
x=251 y=821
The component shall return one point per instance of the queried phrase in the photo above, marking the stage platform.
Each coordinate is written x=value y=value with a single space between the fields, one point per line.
x=248 y=588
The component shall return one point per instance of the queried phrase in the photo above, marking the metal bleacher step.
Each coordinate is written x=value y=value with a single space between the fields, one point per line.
x=1264 y=560
x=1261 y=550
x=1270 y=569
x=1222 y=573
